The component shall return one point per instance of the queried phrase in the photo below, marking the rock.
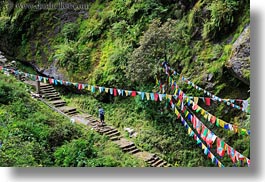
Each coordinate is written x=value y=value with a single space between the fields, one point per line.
x=239 y=62
x=131 y=132
x=53 y=71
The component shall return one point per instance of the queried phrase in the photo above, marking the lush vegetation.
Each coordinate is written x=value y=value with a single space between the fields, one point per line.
x=31 y=134
x=121 y=43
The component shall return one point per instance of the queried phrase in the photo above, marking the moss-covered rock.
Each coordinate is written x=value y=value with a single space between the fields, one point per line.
x=239 y=62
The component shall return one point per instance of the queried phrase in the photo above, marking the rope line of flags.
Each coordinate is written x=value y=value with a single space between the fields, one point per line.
x=230 y=102
x=203 y=132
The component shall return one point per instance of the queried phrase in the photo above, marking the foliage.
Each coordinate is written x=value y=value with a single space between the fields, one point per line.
x=31 y=135
x=121 y=43
x=156 y=45
x=223 y=14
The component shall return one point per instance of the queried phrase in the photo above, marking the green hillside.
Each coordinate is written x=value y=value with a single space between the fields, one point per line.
x=121 y=44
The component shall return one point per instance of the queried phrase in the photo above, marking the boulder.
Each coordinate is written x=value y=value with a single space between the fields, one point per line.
x=239 y=62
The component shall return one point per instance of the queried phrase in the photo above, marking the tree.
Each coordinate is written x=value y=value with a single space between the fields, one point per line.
x=156 y=46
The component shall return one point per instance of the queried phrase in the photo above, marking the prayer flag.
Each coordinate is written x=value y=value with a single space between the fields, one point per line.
x=213 y=119
x=111 y=91
x=152 y=96
x=204 y=132
x=133 y=93
x=220 y=147
x=210 y=138
x=196 y=99
x=207 y=101
x=161 y=97
x=93 y=89
x=142 y=95
x=106 y=90
x=147 y=96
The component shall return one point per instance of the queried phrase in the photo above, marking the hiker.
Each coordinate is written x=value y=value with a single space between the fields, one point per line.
x=101 y=115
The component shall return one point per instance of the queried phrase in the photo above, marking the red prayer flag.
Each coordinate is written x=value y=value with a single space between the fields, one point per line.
x=195 y=107
x=115 y=92
x=79 y=86
x=133 y=93
x=213 y=119
x=156 y=97
x=207 y=101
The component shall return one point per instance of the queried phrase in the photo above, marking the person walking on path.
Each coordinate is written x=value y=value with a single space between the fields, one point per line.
x=101 y=115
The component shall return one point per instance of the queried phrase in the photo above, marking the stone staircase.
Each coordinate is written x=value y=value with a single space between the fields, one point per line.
x=52 y=97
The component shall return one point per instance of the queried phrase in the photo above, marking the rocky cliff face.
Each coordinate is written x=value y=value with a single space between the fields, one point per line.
x=239 y=62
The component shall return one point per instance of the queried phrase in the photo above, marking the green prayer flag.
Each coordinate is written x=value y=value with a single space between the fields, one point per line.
x=217 y=122
x=198 y=110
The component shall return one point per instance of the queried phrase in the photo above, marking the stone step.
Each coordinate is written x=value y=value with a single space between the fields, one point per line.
x=110 y=132
x=127 y=149
x=153 y=160
x=51 y=94
x=47 y=91
x=105 y=130
x=92 y=120
x=113 y=134
x=46 y=87
x=155 y=164
x=58 y=102
x=51 y=97
x=114 y=138
x=66 y=109
x=162 y=164
x=54 y=98
x=86 y=116
x=72 y=113
x=124 y=147
x=93 y=124
x=134 y=151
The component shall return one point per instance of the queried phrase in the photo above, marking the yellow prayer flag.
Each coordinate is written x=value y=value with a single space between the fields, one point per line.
x=219 y=164
x=178 y=104
x=196 y=99
x=203 y=146
x=222 y=123
x=187 y=112
x=189 y=130
x=106 y=90
x=147 y=95
x=89 y=87
x=176 y=91
x=176 y=111
x=202 y=111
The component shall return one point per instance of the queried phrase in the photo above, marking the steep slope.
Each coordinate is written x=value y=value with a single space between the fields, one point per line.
x=32 y=135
